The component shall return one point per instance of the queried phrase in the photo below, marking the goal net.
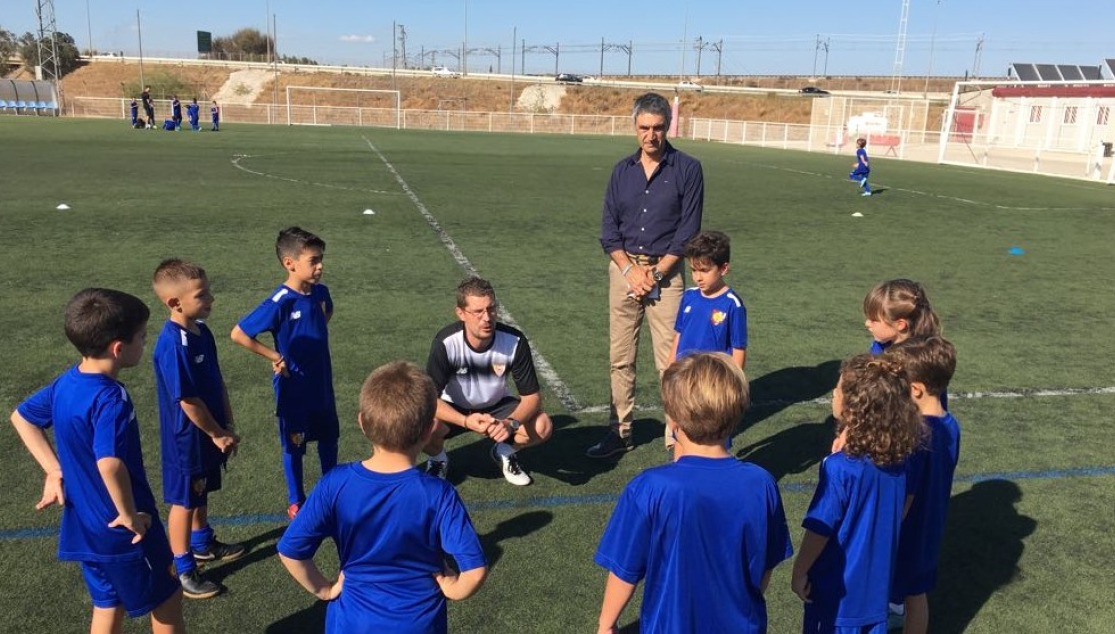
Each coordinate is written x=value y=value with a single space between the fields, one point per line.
x=1055 y=128
x=314 y=105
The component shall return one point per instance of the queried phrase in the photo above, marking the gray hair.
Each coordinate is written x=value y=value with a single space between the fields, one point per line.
x=653 y=103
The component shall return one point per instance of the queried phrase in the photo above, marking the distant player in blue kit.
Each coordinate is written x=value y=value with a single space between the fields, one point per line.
x=195 y=421
x=215 y=115
x=193 y=113
x=846 y=560
x=704 y=532
x=134 y=107
x=297 y=315
x=930 y=363
x=110 y=521
x=862 y=167
x=176 y=112
x=392 y=524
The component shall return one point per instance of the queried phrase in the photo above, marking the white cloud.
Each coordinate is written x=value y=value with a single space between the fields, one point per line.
x=357 y=38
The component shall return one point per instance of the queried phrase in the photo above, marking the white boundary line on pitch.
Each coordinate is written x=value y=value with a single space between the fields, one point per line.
x=825 y=400
x=544 y=368
x=236 y=163
x=966 y=201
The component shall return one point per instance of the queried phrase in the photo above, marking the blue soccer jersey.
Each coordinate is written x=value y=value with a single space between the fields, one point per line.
x=858 y=506
x=93 y=418
x=862 y=165
x=929 y=473
x=711 y=324
x=392 y=531
x=702 y=532
x=186 y=367
x=192 y=112
x=298 y=323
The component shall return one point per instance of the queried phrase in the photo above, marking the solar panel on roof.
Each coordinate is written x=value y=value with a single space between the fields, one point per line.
x=1048 y=72
x=1091 y=72
x=1070 y=72
x=1026 y=72
x=1110 y=63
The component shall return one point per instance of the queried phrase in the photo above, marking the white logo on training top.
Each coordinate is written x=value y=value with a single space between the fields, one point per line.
x=199 y=358
x=296 y=315
x=687 y=309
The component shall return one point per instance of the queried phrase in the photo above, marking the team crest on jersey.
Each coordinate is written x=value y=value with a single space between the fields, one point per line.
x=296 y=315
x=718 y=317
x=199 y=358
x=198 y=486
x=499 y=368
x=297 y=439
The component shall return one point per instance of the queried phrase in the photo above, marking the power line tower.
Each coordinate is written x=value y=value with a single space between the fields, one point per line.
x=48 y=51
x=900 y=48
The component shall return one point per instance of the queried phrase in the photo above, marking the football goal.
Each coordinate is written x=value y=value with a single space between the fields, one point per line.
x=314 y=105
x=1060 y=128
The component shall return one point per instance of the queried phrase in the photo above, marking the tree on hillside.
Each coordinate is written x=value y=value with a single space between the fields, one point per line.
x=64 y=46
x=8 y=49
x=292 y=59
x=246 y=44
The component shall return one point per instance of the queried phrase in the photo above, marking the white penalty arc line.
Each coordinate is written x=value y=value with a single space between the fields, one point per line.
x=824 y=400
x=544 y=368
x=236 y=163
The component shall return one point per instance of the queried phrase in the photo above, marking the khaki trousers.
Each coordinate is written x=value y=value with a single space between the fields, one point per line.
x=625 y=320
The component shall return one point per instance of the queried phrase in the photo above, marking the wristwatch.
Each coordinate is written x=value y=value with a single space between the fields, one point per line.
x=514 y=424
x=656 y=274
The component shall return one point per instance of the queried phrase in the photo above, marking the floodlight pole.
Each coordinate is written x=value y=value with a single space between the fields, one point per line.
x=932 y=43
x=139 y=33
x=900 y=48
x=511 y=92
x=89 y=25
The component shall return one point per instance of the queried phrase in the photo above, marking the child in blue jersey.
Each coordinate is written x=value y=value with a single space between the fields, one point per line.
x=195 y=420
x=712 y=317
x=930 y=363
x=176 y=112
x=215 y=115
x=193 y=112
x=846 y=560
x=861 y=169
x=896 y=310
x=110 y=523
x=134 y=108
x=392 y=524
x=297 y=315
x=704 y=532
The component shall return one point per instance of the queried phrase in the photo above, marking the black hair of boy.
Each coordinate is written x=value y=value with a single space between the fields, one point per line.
x=709 y=247
x=96 y=317
x=930 y=361
x=292 y=241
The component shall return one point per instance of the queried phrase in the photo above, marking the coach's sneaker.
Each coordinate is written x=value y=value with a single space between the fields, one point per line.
x=438 y=468
x=220 y=551
x=611 y=445
x=194 y=587
x=513 y=471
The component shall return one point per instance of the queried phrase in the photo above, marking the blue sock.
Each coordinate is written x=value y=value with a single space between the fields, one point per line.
x=202 y=538
x=292 y=467
x=327 y=454
x=184 y=563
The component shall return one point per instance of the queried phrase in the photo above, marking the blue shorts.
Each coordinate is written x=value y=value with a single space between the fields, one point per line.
x=858 y=175
x=294 y=433
x=814 y=626
x=138 y=586
x=190 y=491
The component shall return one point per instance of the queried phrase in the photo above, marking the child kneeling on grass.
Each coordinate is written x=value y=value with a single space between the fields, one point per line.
x=704 y=531
x=392 y=524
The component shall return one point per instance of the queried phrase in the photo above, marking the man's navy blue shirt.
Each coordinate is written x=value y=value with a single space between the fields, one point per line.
x=654 y=216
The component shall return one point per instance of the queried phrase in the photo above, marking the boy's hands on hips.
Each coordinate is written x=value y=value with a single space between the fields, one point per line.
x=52 y=491
x=138 y=524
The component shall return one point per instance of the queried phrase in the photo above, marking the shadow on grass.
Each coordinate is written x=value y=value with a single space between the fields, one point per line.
x=563 y=457
x=630 y=628
x=518 y=526
x=792 y=450
x=312 y=619
x=217 y=573
x=982 y=546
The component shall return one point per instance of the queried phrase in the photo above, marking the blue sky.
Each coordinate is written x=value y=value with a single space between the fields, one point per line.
x=758 y=37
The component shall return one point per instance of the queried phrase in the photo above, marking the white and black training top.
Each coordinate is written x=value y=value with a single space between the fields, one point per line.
x=475 y=379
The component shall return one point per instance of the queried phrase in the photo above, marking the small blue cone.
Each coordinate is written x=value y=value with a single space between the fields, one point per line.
x=1016 y=251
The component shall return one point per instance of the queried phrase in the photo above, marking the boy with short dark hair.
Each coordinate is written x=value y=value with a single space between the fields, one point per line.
x=110 y=522
x=215 y=115
x=712 y=317
x=393 y=524
x=930 y=363
x=176 y=112
x=195 y=420
x=703 y=532
x=297 y=315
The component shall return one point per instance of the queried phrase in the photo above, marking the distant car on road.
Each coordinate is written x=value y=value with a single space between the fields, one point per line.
x=442 y=71
x=690 y=85
x=813 y=90
x=569 y=78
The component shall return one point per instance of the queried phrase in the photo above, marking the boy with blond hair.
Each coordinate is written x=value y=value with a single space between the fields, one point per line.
x=930 y=363
x=195 y=422
x=393 y=524
x=704 y=521
x=110 y=523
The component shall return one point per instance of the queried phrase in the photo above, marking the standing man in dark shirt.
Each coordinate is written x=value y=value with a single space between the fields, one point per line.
x=470 y=362
x=148 y=106
x=652 y=206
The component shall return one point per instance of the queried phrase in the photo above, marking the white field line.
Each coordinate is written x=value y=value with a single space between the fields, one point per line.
x=825 y=400
x=236 y=163
x=544 y=368
x=967 y=201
